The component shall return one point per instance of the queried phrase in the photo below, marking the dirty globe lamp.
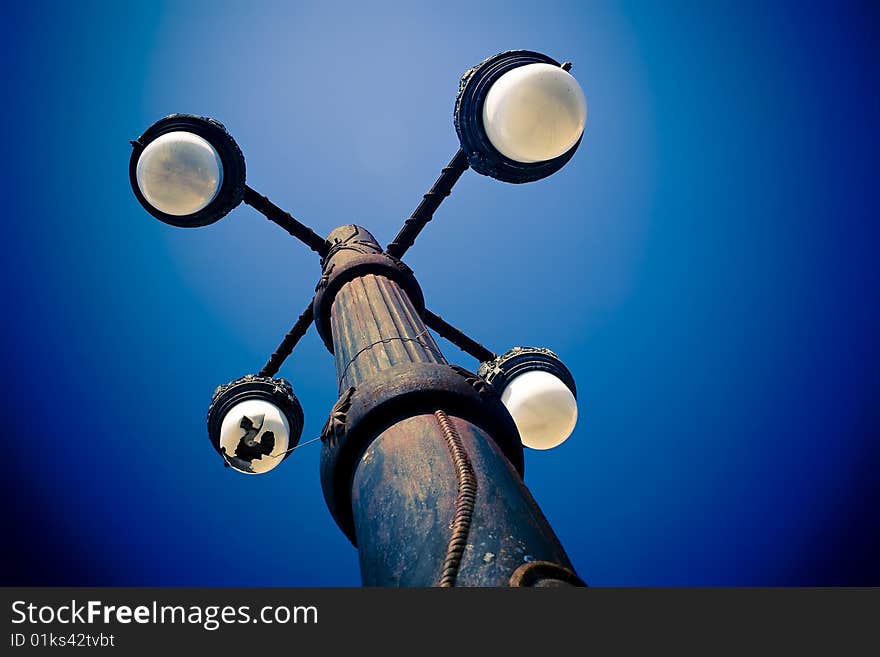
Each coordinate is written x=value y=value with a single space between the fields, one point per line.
x=187 y=170
x=179 y=173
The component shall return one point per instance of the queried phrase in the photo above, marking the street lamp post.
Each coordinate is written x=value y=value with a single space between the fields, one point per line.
x=421 y=461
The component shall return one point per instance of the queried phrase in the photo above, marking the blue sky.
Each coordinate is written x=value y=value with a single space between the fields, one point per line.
x=705 y=265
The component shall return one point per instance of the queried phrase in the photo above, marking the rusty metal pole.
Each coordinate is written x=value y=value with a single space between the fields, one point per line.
x=421 y=464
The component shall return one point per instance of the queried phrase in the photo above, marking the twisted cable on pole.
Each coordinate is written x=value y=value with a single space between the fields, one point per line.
x=464 y=501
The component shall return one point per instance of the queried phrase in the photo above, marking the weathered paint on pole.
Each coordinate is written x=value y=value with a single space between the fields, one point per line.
x=421 y=465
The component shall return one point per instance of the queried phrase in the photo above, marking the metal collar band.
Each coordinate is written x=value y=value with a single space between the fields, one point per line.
x=502 y=370
x=361 y=414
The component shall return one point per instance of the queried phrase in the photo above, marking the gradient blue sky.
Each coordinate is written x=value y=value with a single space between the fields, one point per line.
x=705 y=265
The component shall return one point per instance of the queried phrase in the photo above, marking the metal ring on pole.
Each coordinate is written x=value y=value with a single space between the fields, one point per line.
x=362 y=414
x=544 y=574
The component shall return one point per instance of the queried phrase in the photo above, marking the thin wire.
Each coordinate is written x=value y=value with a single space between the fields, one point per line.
x=386 y=341
x=274 y=456
x=295 y=447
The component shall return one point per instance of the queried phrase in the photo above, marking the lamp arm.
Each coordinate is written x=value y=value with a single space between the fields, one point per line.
x=275 y=214
x=297 y=331
x=430 y=202
x=456 y=337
